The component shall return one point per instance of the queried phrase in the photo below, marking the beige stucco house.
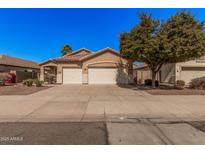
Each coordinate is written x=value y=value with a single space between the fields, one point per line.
x=83 y=66
x=170 y=73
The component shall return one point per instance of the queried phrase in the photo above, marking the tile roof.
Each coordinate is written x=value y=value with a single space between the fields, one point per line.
x=79 y=50
x=12 y=61
x=71 y=58
x=74 y=57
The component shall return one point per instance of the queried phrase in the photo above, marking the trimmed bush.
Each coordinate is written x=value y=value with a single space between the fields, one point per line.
x=148 y=82
x=28 y=82
x=38 y=83
x=24 y=82
x=2 y=82
x=197 y=83
x=12 y=78
x=8 y=77
x=180 y=83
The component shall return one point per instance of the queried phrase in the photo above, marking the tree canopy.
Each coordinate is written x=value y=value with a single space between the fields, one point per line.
x=180 y=38
x=66 y=49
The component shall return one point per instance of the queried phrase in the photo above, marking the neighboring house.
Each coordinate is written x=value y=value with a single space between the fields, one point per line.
x=170 y=73
x=23 y=69
x=83 y=66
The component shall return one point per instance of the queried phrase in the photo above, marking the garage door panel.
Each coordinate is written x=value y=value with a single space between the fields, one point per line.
x=105 y=76
x=72 y=76
x=187 y=74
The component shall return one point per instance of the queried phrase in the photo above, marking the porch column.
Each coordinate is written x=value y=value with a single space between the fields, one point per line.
x=42 y=73
x=85 y=74
x=59 y=74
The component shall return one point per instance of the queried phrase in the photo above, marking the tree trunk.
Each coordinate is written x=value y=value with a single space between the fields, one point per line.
x=153 y=79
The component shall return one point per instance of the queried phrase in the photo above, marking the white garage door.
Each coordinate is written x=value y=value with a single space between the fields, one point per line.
x=189 y=73
x=106 y=76
x=72 y=76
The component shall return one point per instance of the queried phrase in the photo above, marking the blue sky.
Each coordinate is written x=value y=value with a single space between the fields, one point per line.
x=39 y=34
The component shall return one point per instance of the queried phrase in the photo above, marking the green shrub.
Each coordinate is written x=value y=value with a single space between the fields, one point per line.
x=148 y=82
x=180 y=83
x=197 y=83
x=28 y=82
x=38 y=83
x=24 y=82
x=2 y=82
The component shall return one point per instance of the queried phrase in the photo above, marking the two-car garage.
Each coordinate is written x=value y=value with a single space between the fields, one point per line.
x=83 y=66
x=95 y=76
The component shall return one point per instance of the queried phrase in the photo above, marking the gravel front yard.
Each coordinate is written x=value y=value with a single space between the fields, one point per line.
x=19 y=89
x=175 y=92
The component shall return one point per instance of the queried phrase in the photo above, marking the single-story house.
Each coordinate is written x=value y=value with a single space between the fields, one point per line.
x=170 y=73
x=23 y=69
x=84 y=66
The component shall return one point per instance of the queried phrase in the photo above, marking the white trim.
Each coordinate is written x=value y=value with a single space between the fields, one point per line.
x=113 y=62
x=101 y=51
x=81 y=49
x=108 y=48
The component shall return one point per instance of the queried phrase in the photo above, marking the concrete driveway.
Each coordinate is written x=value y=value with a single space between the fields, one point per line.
x=103 y=102
x=126 y=111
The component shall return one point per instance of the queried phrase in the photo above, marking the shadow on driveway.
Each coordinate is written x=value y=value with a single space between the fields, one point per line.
x=59 y=133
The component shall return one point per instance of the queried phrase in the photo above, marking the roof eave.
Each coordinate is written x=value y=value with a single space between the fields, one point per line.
x=100 y=52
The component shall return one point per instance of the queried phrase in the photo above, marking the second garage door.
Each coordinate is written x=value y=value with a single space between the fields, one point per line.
x=106 y=76
x=72 y=76
x=189 y=73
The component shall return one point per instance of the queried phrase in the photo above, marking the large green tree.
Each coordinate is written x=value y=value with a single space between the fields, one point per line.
x=66 y=49
x=180 y=38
